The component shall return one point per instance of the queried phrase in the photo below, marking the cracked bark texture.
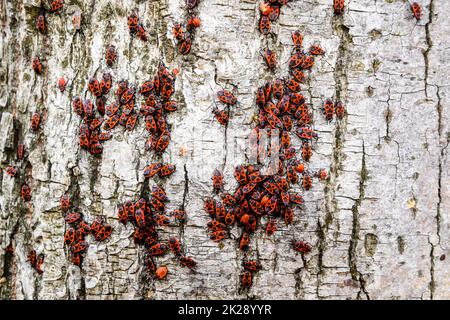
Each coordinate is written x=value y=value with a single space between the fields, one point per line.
x=368 y=241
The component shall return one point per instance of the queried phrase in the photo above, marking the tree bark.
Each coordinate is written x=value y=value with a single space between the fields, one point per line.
x=378 y=226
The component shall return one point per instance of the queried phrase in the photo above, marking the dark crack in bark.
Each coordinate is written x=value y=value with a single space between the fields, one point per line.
x=352 y=254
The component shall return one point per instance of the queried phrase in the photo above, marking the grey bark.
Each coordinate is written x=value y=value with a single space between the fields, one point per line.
x=379 y=226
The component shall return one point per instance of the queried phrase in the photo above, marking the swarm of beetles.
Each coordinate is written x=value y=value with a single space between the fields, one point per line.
x=146 y=214
x=184 y=33
x=264 y=199
x=78 y=229
x=91 y=136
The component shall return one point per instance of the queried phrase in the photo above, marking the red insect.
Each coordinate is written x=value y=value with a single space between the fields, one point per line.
x=88 y=108
x=220 y=211
x=306 y=151
x=193 y=22
x=293 y=85
x=37 y=65
x=240 y=174
x=306 y=133
x=316 y=50
x=288 y=215
x=180 y=215
x=69 y=236
x=156 y=204
x=41 y=25
x=274 y=12
x=217 y=179
x=111 y=55
x=321 y=174
x=104 y=136
x=218 y=235
x=62 y=84
x=167 y=170
x=159 y=193
x=271 y=227
x=25 y=192
x=64 y=202
x=270 y=58
x=221 y=116
x=103 y=233
x=252 y=266
x=339 y=110
x=20 y=151
x=338 y=6
x=83 y=228
x=133 y=22
x=10 y=170
x=306 y=181
x=278 y=89
x=209 y=206
x=141 y=33
x=264 y=24
x=297 y=39
x=226 y=97
x=328 y=109
x=416 y=10
x=32 y=258
x=56 y=5
x=307 y=62
x=111 y=122
x=177 y=31
x=296 y=60
x=79 y=247
x=298 y=75
x=215 y=225
x=131 y=122
x=302 y=247
x=175 y=246
x=185 y=46
x=162 y=143
x=76 y=259
x=39 y=262
x=244 y=241
x=295 y=198
x=76 y=20
x=152 y=169
x=84 y=136
x=187 y=262
x=161 y=272
x=77 y=104
x=246 y=279
x=158 y=249
x=72 y=217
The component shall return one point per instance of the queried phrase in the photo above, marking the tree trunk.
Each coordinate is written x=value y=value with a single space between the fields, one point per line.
x=378 y=226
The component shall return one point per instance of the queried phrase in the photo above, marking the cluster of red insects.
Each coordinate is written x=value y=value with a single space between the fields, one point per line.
x=184 y=35
x=146 y=214
x=229 y=100
x=55 y=6
x=78 y=229
x=270 y=11
x=259 y=197
x=136 y=28
x=90 y=134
